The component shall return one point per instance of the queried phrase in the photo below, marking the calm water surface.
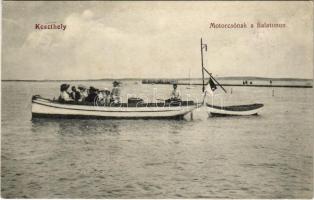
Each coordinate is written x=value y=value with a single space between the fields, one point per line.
x=265 y=156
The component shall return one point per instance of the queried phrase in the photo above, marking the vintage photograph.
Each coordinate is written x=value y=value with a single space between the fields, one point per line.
x=157 y=99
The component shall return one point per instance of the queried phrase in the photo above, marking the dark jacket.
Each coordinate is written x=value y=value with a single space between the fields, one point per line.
x=75 y=95
x=91 y=97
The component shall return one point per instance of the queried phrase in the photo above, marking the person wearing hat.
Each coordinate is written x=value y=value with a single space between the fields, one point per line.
x=175 y=94
x=115 y=92
x=64 y=94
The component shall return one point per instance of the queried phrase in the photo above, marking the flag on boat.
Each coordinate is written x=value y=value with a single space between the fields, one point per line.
x=211 y=87
x=212 y=84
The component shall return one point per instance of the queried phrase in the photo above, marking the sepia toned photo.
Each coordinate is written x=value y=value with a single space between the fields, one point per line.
x=157 y=100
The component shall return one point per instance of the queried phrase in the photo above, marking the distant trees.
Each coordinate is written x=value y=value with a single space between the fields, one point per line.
x=159 y=81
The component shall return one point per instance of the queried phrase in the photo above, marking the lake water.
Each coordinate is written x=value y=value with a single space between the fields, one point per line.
x=264 y=156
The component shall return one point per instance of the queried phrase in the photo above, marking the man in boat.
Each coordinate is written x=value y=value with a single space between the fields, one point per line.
x=64 y=94
x=92 y=95
x=175 y=94
x=115 y=92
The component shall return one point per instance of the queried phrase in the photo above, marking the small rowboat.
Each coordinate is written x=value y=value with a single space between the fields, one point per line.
x=238 y=110
x=42 y=107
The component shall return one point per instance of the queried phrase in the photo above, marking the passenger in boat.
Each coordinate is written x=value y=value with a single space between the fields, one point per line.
x=83 y=93
x=92 y=95
x=107 y=97
x=104 y=97
x=64 y=94
x=175 y=94
x=75 y=94
x=100 y=97
x=115 y=93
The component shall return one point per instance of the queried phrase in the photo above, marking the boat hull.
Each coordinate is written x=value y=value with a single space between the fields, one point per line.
x=240 y=110
x=45 y=108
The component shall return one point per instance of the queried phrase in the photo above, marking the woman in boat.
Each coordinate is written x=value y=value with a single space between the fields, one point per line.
x=107 y=97
x=64 y=94
x=83 y=93
x=104 y=97
x=115 y=93
x=100 y=97
x=75 y=94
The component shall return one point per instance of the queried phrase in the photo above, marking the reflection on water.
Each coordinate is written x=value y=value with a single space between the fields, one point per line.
x=77 y=127
x=265 y=156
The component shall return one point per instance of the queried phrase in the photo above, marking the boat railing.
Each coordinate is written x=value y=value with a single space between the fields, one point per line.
x=117 y=105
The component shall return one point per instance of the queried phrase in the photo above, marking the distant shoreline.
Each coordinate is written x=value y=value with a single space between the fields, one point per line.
x=251 y=78
x=256 y=85
x=238 y=81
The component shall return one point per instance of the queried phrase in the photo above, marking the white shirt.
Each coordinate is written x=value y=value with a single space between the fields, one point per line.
x=65 y=96
x=83 y=95
x=115 y=93
x=175 y=94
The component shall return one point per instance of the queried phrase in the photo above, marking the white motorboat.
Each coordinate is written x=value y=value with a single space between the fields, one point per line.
x=42 y=107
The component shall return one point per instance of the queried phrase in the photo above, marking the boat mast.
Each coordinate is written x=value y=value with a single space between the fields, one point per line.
x=203 y=83
x=204 y=69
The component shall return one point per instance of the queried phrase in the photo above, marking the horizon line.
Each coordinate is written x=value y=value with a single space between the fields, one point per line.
x=187 y=78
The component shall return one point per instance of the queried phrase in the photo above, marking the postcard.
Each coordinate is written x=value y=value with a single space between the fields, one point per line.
x=157 y=99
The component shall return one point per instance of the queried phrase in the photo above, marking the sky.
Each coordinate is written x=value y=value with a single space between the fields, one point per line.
x=155 y=40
